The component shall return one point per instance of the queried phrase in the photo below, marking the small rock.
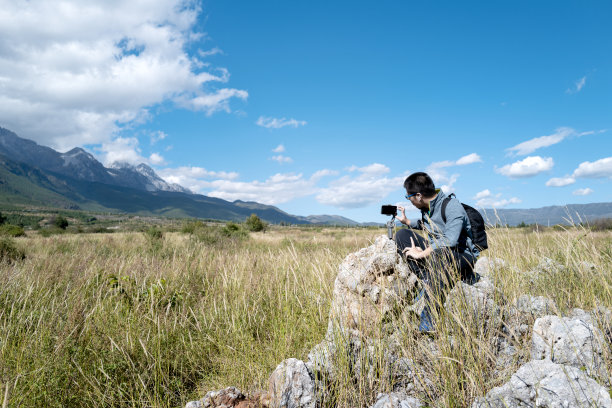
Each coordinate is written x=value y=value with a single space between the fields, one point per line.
x=486 y=266
x=227 y=398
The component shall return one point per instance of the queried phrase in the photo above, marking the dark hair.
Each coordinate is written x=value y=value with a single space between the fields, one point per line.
x=420 y=183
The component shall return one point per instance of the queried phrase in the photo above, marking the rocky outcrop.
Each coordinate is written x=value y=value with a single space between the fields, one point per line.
x=370 y=284
x=542 y=383
x=573 y=341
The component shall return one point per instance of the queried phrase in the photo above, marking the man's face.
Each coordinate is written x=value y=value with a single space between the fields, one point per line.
x=416 y=200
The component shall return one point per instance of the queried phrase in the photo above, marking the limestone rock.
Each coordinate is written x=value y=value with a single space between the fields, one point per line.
x=227 y=398
x=486 y=266
x=536 y=306
x=291 y=386
x=476 y=301
x=548 y=266
x=569 y=340
x=371 y=283
x=542 y=383
x=396 y=400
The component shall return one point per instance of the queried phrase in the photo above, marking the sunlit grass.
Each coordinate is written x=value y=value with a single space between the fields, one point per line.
x=137 y=319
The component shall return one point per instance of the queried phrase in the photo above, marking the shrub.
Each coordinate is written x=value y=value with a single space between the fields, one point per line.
x=601 y=224
x=60 y=222
x=9 y=251
x=233 y=230
x=255 y=224
x=11 y=230
x=190 y=227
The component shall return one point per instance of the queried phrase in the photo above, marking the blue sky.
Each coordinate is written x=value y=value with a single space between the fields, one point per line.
x=323 y=107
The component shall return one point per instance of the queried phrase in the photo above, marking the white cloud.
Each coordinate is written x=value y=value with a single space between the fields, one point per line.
x=156 y=159
x=277 y=189
x=583 y=191
x=214 y=51
x=528 y=167
x=75 y=73
x=597 y=169
x=532 y=145
x=279 y=149
x=281 y=159
x=560 y=181
x=274 y=123
x=469 y=159
x=319 y=174
x=482 y=194
x=577 y=86
x=366 y=188
x=486 y=199
x=122 y=149
x=194 y=178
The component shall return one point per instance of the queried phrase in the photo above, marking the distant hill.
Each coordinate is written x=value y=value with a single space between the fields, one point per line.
x=551 y=215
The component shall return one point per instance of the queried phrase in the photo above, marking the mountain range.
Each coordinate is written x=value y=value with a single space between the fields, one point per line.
x=35 y=175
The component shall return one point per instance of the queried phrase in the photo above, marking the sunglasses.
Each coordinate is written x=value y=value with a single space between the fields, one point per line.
x=408 y=196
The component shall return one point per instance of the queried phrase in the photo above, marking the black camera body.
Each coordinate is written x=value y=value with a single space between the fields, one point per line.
x=388 y=210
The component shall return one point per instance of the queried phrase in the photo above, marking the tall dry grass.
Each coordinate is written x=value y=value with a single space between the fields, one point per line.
x=150 y=320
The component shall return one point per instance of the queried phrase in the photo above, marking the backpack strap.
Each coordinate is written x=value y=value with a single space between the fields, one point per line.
x=444 y=204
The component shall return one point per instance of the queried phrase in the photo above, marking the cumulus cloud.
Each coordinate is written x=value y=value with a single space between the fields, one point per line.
x=281 y=159
x=277 y=189
x=577 y=86
x=156 y=159
x=279 y=149
x=528 y=167
x=274 y=123
x=319 y=174
x=560 y=181
x=123 y=150
x=194 y=178
x=487 y=199
x=76 y=73
x=597 y=169
x=583 y=191
x=367 y=187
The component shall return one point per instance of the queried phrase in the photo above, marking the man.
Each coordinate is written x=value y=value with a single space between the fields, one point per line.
x=448 y=247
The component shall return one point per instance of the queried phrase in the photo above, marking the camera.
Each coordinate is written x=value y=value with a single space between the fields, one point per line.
x=392 y=211
x=388 y=210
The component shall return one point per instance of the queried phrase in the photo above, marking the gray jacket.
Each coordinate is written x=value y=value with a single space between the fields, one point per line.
x=455 y=233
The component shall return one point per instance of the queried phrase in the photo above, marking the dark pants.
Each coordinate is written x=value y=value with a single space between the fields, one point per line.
x=438 y=272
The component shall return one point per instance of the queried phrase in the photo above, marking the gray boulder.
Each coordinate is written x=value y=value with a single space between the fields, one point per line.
x=569 y=340
x=371 y=283
x=291 y=386
x=486 y=266
x=542 y=383
x=396 y=400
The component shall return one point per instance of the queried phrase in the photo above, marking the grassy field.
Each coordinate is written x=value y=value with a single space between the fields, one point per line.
x=156 y=319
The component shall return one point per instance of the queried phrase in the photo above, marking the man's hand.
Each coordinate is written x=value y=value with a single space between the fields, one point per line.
x=402 y=215
x=416 y=252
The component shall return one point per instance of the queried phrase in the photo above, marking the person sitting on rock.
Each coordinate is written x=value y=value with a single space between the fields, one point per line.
x=448 y=248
